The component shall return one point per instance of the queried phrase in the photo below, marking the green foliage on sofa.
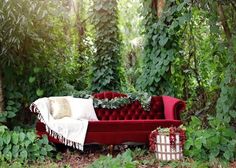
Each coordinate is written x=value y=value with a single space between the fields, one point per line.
x=106 y=73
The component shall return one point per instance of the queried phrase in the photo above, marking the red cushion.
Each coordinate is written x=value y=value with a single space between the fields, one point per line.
x=133 y=111
x=117 y=132
x=129 y=125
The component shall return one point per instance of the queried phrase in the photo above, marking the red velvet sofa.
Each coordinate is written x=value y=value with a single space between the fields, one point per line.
x=130 y=123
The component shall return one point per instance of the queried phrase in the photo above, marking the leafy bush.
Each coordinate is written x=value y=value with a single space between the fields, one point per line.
x=123 y=160
x=217 y=141
x=22 y=145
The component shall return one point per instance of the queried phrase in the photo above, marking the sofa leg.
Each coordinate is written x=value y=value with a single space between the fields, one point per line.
x=61 y=148
x=111 y=147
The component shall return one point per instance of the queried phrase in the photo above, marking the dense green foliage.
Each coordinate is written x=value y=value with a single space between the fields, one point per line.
x=127 y=159
x=124 y=160
x=162 y=47
x=218 y=141
x=107 y=73
x=22 y=146
x=213 y=58
x=36 y=55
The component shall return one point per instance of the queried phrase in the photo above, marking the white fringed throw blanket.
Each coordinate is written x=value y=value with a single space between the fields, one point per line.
x=70 y=130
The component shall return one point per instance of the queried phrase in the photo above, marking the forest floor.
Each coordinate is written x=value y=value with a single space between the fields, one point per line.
x=71 y=158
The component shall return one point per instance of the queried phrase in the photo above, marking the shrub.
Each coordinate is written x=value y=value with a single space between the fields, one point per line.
x=217 y=141
x=22 y=145
x=123 y=160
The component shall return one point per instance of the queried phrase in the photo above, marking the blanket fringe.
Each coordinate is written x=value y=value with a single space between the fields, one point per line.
x=52 y=133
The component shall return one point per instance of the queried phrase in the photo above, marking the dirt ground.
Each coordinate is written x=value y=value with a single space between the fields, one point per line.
x=76 y=159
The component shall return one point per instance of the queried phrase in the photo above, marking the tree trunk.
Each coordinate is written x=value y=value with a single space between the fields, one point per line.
x=224 y=22
x=1 y=93
x=160 y=7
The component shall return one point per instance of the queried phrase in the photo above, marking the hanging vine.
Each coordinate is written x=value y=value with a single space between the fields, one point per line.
x=162 y=44
x=106 y=72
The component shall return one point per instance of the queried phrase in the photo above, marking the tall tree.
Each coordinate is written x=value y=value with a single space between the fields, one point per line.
x=130 y=25
x=162 y=32
x=106 y=70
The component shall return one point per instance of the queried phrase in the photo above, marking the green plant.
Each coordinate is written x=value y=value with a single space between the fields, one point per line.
x=217 y=141
x=12 y=106
x=22 y=145
x=107 y=73
x=122 y=160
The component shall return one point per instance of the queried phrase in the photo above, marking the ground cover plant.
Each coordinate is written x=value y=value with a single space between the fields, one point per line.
x=182 y=48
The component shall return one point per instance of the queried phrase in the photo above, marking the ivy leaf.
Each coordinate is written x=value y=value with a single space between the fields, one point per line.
x=163 y=40
x=228 y=133
x=10 y=102
x=198 y=144
x=232 y=113
x=31 y=136
x=6 y=149
x=188 y=144
x=3 y=128
x=36 y=70
x=215 y=152
x=22 y=137
x=9 y=108
x=27 y=142
x=15 y=138
x=174 y=24
x=15 y=151
x=23 y=154
x=32 y=79
x=8 y=156
x=227 y=155
x=6 y=138
x=39 y=92
x=11 y=114
x=154 y=37
x=43 y=151
x=180 y=6
x=34 y=147
x=182 y=20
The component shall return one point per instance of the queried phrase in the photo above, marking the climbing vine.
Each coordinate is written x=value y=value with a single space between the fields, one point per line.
x=226 y=104
x=163 y=31
x=106 y=71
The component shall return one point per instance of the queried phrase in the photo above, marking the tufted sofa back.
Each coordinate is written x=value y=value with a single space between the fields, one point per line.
x=133 y=111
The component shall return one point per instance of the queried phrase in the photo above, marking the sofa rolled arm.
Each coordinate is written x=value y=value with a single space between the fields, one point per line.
x=173 y=107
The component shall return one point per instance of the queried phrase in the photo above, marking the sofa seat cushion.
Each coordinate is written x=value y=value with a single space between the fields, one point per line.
x=117 y=131
x=124 y=131
x=129 y=125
